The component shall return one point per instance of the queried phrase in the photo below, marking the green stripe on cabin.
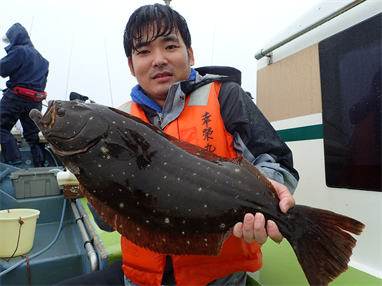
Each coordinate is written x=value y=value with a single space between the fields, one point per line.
x=302 y=133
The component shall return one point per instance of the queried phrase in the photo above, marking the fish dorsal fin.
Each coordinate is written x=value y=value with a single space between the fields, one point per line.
x=241 y=161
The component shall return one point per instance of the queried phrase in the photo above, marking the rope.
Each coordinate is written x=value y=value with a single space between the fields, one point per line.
x=18 y=240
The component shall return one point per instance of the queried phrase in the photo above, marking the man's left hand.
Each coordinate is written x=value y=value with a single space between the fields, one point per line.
x=253 y=227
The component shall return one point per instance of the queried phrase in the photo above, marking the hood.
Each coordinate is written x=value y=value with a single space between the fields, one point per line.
x=209 y=74
x=18 y=36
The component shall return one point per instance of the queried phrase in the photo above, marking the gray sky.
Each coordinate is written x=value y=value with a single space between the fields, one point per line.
x=82 y=39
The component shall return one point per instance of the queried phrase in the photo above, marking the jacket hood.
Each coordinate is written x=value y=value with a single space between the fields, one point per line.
x=206 y=75
x=18 y=36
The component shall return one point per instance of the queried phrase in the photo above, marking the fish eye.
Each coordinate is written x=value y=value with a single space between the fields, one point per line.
x=61 y=111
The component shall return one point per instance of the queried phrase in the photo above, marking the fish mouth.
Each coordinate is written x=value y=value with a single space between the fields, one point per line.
x=46 y=120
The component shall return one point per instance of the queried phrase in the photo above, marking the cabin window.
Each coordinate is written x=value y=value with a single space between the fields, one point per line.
x=350 y=70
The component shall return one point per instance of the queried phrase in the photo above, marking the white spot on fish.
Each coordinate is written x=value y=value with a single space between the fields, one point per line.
x=237 y=170
x=194 y=174
x=188 y=242
x=182 y=232
x=189 y=210
x=163 y=239
x=99 y=165
x=121 y=205
x=165 y=177
x=222 y=226
x=147 y=221
x=120 y=190
x=200 y=189
x=104 y=150
x=165 y=163
x=147 y=195
x=205 y=206
x=91 y=118
x=158 y=188
x=168 y=195
x=167 y=220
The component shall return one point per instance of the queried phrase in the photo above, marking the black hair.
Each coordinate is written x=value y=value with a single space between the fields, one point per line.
x=164 y=19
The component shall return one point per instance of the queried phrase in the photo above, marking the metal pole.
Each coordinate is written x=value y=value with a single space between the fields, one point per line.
x=264 y=52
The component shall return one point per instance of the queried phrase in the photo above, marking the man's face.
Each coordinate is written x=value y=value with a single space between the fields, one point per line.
x=159 y=64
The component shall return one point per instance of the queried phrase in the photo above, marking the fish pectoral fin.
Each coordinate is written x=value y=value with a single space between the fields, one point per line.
x=118 y=151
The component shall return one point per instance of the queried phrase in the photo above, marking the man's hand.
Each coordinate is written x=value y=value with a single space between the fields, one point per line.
x=253 y=226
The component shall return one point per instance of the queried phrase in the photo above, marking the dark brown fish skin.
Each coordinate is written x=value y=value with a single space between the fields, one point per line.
x=176 y=198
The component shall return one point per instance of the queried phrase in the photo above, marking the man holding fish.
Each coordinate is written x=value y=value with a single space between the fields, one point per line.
x=205 y=107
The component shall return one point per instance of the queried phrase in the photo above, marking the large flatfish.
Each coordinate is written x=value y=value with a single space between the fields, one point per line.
x=176 y=198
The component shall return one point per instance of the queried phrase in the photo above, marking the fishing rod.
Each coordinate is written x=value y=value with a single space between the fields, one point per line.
x=30 y=32
x=70 y=61
x=108 y=73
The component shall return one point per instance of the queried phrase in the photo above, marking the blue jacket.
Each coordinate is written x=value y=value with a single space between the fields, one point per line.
x=24 y=65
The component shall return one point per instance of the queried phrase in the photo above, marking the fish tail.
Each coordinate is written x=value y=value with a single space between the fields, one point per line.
x=324 y=246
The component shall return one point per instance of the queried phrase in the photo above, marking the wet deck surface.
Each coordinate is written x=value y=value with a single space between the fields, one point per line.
x=281 y=268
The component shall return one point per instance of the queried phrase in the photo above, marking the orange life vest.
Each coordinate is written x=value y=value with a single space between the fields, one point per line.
x=200 y=123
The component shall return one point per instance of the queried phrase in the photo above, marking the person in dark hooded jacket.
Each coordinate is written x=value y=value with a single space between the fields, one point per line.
x=27 y=71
